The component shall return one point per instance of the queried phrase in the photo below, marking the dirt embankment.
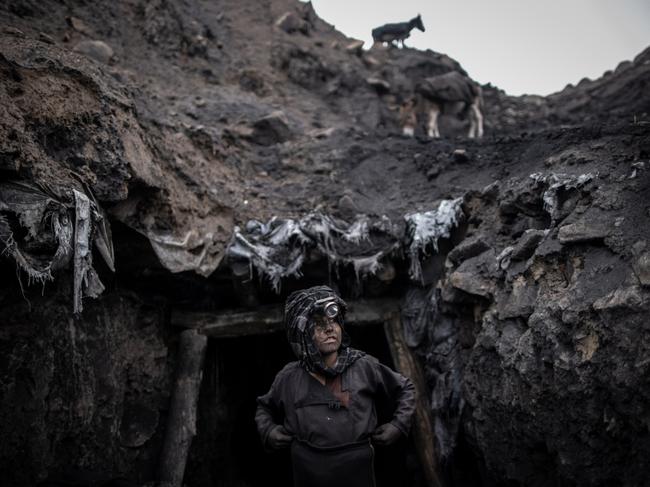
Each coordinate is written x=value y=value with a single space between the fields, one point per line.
x=183 y=121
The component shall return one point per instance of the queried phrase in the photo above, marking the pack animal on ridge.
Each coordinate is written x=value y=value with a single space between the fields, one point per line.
x=441 y=94
x=396 y=32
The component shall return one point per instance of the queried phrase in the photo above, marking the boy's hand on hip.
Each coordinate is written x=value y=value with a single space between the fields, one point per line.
x=386 y=434
x=279 y=437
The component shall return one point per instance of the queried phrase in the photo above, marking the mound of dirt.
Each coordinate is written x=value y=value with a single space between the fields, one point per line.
x=232 y=139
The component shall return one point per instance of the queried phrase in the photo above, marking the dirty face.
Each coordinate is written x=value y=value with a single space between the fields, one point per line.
x=327 y=335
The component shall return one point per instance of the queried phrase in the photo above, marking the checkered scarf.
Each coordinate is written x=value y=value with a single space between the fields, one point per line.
x=298 y=311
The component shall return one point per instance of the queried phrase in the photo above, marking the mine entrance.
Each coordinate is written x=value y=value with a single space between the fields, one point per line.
x=226 y=450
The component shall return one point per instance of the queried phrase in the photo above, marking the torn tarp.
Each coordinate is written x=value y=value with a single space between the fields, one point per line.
x=194 y=250
x=86 y=280
x=436 y=335
x=43 y=233
x=44 y=227
x=425 y=229
x=192 y=240
x=278 y=248
x=418 y=311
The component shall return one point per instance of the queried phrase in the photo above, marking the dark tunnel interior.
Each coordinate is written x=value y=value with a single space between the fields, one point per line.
x=227 y=450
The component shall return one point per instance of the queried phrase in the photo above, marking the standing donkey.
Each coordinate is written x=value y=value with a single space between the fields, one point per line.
x=439 y=94
x=397 y=32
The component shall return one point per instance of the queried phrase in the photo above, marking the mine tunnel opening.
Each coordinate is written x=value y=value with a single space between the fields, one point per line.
x=227 y=449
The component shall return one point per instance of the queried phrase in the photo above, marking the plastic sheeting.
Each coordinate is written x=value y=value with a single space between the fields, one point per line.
x=193 y=251
x=425 y=229
x=418 y=311
x=43 y=234
x=61 y=232
x=436 y=335
x=48 y=230
x=278 y=249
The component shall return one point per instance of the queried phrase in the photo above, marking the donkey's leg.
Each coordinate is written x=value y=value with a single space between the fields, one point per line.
x=432 y=129
x=479 y=119
x=475 y=119
x=472 y=123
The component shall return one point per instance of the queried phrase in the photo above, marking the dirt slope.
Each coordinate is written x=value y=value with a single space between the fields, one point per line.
x=186 y=120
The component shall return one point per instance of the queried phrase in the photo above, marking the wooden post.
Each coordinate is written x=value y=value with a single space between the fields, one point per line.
x=181 y=424
x=407 y=364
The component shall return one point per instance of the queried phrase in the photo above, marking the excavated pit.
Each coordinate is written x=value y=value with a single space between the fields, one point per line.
x=166 y=165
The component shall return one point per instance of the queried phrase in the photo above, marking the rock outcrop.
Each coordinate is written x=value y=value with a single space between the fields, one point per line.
x=221 y=154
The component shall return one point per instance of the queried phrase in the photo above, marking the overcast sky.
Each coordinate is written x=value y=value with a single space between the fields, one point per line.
x=521 y=46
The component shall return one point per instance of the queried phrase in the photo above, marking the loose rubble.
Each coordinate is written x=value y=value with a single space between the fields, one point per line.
x=219 y=156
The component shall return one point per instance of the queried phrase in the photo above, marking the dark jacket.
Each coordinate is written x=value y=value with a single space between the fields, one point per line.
x=311 y=413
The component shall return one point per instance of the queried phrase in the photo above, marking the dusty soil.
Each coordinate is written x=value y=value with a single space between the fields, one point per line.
x=188 y=120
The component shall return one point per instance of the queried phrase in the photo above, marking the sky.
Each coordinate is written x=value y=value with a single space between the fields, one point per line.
x=521 y=46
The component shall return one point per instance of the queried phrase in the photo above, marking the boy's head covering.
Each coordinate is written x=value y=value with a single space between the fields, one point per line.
x=298 y=319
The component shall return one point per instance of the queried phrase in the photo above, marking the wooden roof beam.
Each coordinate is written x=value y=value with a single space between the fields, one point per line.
x=268 y=319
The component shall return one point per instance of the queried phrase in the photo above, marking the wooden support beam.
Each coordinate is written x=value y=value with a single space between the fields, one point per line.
x=269 y=319
x=407 y=364
x=181 y=424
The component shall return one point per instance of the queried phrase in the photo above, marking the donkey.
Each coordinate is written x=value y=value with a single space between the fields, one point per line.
x=440 y=94
x=396 y=32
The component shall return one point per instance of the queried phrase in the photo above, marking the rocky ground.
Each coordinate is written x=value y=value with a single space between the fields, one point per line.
x=181 y=122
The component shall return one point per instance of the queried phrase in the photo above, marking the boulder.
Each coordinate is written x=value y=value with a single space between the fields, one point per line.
x=251 y=80
x=472 y=283
x=527 y=243
x=642 y=269
x=97 y=50
x=322 y=133
x=43 y=37
x=13 y=31
x=379 y=84
x=583 y=231
x=271 y=129
x=78 y=25
x=520 y=302
x=291 y=23
x=460 y=155
x=470 y=247
x=475 y=275
x=631 y=297
x=303 y=66
x=355 y=47
x=371 y=61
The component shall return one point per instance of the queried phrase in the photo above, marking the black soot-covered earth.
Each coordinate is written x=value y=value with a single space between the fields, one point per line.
x=164 y=163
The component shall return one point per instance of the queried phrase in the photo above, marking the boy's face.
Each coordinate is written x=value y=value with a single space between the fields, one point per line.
x=327 y=335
